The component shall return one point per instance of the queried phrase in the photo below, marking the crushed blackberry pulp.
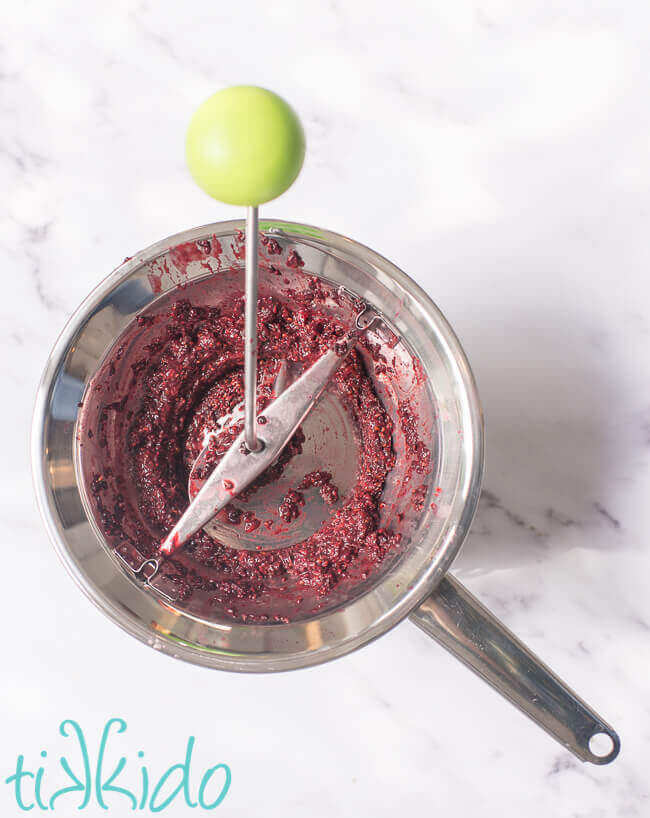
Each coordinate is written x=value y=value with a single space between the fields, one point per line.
x=152 y=424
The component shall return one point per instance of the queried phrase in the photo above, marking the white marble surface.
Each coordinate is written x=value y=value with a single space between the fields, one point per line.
x=498 y=152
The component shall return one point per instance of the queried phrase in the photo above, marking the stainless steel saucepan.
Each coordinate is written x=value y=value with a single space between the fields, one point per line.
x=414 y=583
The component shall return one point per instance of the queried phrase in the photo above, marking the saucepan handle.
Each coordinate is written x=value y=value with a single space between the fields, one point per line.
x=460 y=623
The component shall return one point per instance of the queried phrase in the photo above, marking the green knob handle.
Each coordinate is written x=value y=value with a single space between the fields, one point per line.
x=245 y=145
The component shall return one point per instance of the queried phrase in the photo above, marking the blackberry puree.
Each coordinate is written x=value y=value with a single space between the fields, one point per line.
x=151 y=427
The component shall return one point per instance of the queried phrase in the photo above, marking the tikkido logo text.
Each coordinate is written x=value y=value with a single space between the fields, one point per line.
x=81 y=779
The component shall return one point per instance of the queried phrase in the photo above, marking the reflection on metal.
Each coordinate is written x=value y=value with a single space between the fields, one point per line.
x=66 y=397
x=314 y=635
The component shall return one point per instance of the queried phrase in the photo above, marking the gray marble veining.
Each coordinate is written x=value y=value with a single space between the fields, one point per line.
x=499 y=154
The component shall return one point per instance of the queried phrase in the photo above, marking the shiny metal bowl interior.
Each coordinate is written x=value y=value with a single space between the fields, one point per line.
x=437 y=533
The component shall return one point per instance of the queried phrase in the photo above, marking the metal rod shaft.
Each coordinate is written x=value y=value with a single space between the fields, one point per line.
x=250 y=333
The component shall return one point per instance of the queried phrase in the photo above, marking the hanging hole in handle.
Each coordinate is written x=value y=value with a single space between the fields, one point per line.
x=604 y=747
